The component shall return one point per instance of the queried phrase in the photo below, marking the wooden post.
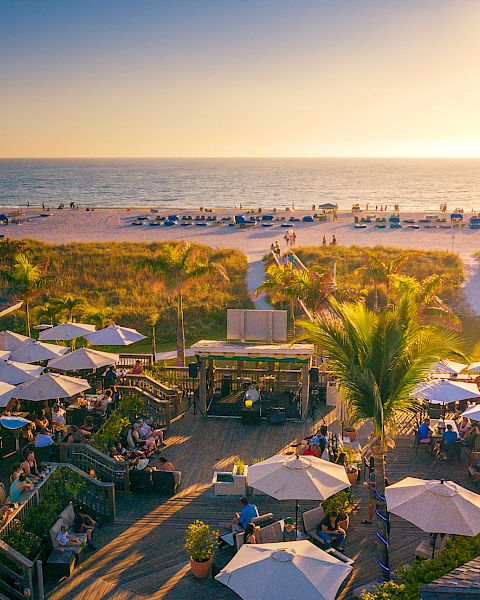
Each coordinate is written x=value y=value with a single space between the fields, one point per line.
x=202 y=399
x=305 y=389
x=111 y=502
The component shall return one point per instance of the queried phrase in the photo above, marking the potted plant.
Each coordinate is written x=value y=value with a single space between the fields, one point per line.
x=349 y=430
x=201 y=543
x=343 y=503
x=351 y=461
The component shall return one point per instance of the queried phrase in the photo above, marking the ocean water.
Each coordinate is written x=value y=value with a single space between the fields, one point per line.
x=415 y=184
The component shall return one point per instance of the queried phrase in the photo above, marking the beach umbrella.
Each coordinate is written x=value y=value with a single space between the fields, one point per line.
x=114 y=335
x=51 y=385
x=294 y=477
x=11 y=341
x=448 y=367
x=4 y=354
x=284 y=570
x=67 y=331
x=33 y=351
x=474 y=367
x=435 y=506
x=472 y=412
x=7 y=392
x=15 y=372
x=83 y=358
x=444 y=391
x=13 y=423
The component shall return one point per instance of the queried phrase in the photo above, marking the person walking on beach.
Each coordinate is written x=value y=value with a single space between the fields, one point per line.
x=287 y=239
x=324 y=241
x=334 y=240
x=293 y=239
x=277 y=249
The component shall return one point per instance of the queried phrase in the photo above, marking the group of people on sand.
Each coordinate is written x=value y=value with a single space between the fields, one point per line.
x=332 y=243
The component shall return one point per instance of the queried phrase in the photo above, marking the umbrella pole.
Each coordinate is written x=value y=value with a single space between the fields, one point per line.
x=434 y=544
x=296 y=518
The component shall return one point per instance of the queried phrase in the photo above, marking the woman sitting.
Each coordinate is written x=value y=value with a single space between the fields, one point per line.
x=464 y=427
x=148 y=446
x=162 y=464
x=41 y=420
x=15 y=472
x=27 y=433
x=250 y=534
x=87 y=427
x=19 y=488
x=30 y=467
x=83 y=523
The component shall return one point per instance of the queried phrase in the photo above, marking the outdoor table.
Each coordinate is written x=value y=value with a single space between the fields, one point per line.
x=61 y=565
x=436 y=433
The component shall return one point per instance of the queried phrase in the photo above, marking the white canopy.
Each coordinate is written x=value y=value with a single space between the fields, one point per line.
x=11 y=341
x=50 y=386
x=448 y=367
x=7 y=392
x=472 y=412
x=444 y=391
x=435 y=506
x=474 y=367
x=114 y=335
x=283 y=571
x=32 y=351
x=67 y=331
x=4 y=354
x=83 y=358
x=297 y=477
x=15 y=372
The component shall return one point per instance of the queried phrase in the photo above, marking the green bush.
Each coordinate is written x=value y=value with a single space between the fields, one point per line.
x=201 y=541
x=27 y=543
x=130 y=406
x=342 y=502
x=390 y=590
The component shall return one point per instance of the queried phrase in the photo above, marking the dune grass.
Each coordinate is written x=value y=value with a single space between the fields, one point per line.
x=104 y=274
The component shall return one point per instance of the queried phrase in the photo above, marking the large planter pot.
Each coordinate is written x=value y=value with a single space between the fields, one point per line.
x=201 y=569
x=352 y=477
x=350 y=433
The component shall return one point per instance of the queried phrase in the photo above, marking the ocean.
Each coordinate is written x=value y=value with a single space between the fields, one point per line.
x=414 y=184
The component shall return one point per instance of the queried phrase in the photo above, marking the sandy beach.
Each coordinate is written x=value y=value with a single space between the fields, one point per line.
x=103 y=225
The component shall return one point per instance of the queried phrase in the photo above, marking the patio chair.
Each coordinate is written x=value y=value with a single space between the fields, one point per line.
x=311 y=521
x=165 y=482
x=140 y=481
x=454 y=451
x=417 y=444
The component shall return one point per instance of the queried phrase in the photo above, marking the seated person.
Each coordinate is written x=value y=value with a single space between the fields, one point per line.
x=132 y=462
x=83 y=523
x=250 y=535
x=87 y=427
x=162 y=464
x=449 y=436
x=150 y=444
x=424 y=432
x=127 y=453
x=289 y=532
x=19 y=488
x=464 y=427
x=43 y=439
x=310 y=450
x=471 y=438
x=137 y=369
x=103 y=404
x=64 y=539
x=74 y=436
x=27 y=433
x=30 y=467
x=242 y=519
x=41 y=420
x=147 y=432
x=330 y=532
x=15 y=471
x=58 y=417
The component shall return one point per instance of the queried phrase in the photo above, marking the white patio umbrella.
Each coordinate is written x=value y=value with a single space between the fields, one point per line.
x=83 y=358
x=435 y=506
x=448 y=367
x=67 y=331
x=50 y=386
x=293 y=477
x=11 y=341
x=474 y=367
x=15 y=372
x=32 y=351
x=472 y=412
x=4 y=354
x=7 y=392
x=444 y=391
x=114 y=335
x=284 y=571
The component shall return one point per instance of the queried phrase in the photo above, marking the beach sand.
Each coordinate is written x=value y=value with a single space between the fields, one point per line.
x=103 y=225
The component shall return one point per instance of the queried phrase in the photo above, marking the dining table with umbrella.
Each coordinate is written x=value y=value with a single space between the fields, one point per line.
x=435 y=506
x=33 y=351
x=13 y=372
x=283 y=571
x=50 y=386
x=295 y=477
x=445 y=391
x=83 y=359
x=14 y=423
x=10 y=340
x=114 y=335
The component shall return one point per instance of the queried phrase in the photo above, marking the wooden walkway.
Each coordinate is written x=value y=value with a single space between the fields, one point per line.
x=141 y=555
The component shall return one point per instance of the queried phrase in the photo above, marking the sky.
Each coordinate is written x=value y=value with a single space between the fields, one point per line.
x=199 y=78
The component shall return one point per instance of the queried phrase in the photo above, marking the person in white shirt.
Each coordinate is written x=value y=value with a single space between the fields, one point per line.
x=58 y=416
x=63 y=539
x=147 y=432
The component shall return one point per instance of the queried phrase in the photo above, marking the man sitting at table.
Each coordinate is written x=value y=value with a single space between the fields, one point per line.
x=424 y=432
x=43 y=439
x=449 y=436
x=243 y=518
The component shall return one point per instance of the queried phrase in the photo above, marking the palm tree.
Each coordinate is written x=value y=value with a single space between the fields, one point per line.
x=181 y=266
x=377 y=271
x=152 y=321
x=426 y=293
x=378 y=358
x=101 y=317
x=25 y=279
x=314 y=289
x=49 y=311
x=69 y=305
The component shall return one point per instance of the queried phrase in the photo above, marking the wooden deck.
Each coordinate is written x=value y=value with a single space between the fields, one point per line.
x=141 y=554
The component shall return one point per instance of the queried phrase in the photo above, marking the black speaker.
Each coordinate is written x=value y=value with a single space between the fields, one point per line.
x=193 y=369
x=314 y=375
x=226 y=386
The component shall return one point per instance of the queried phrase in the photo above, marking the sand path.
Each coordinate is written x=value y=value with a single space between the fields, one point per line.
x=104 y=225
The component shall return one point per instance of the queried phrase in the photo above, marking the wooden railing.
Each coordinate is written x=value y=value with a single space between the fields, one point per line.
x=128 y=360
x=21 y=577
x=173 y=395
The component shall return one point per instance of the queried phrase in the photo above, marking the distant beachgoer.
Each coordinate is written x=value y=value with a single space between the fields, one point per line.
x=272 y=248
x=376 y=206
x=334 y=241
x=43 y=205
x=366 y=207
x=277 y=249
x=324 y=241
x=293 y=239
x=286 y=237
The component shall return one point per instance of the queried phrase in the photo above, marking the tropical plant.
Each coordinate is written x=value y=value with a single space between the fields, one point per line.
x=342 y=502
x=180 y=267
x=201 y=541
x=49 y=311
x=27 y=543
x=25 y=279
x=69 y=306
x=390 y=590
x=378 y=358
x=239 y=463
x=100 y=317
x=313 y=289
x=152 y=321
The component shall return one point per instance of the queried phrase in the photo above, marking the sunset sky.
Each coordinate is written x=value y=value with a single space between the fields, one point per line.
x=181 y=78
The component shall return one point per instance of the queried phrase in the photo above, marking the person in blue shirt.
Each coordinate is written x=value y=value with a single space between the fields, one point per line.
x=449 y=436
x=424 y=432
x=243 y=518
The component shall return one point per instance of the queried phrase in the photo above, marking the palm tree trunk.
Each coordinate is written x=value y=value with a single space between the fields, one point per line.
x=27 y=318
x=180 y=333
x=292 y=317
x=381 y=512
x=154 y=343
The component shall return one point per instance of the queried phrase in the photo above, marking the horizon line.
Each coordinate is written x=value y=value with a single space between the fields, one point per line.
x=219 y=157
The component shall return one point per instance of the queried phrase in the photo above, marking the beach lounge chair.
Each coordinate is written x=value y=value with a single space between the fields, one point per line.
x=360 y=226
x=137 y=223
x=201 y=224
x=413 y=226
x=169 y=223
x=186 y=224
x=267 y=217
x=154 y=223
x=395 y=226
x=267 y=224
x=173 y=217
x=307 y=219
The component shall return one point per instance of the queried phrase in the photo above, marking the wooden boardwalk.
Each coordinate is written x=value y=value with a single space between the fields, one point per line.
x=141 y=554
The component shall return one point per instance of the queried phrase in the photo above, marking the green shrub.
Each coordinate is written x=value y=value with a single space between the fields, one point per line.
x=342 y=502
x=390 y=590
x=201 y=541
x=23 y=541
x=130 y=406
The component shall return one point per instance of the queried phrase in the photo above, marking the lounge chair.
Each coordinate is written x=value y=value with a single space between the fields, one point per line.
x=166 y=482
x=307 y=219
x=169 y=223
x=311 y=521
